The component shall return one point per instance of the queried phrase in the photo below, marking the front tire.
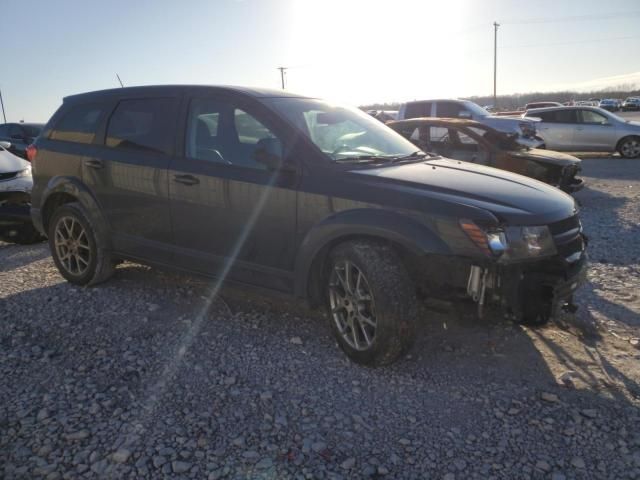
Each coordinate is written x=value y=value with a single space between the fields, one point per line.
x=629 y=147
x=75 y=249
x=372 y=302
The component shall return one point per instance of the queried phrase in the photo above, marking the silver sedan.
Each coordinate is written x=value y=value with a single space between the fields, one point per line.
x=586 y=129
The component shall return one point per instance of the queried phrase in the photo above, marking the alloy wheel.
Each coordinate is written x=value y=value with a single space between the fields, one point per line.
x=630 y=148
x=352 y=305
x=72 y=246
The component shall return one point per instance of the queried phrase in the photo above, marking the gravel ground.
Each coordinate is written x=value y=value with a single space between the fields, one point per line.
x=145 y=377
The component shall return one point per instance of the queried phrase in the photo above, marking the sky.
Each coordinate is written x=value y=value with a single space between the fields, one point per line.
x=355 y=51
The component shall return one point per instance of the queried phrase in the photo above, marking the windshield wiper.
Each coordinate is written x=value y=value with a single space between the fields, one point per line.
x=416 y=154
x=363 y=159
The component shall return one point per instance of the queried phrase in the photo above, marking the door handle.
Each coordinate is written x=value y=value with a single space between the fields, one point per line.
x=93 y=163
x=186 y=179
x=579 y=128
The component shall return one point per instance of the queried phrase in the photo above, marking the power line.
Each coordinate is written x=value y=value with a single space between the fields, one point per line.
x=577 y=42
x=573 y=18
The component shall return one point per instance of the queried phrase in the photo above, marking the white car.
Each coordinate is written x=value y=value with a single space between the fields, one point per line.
x=15 y=198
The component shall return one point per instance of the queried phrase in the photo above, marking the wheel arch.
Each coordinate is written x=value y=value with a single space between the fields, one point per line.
x=62 y=190
x=406 y=235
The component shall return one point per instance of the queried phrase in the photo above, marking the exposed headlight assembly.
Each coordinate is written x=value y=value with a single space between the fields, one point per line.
x=529 y=242
x=511 y=243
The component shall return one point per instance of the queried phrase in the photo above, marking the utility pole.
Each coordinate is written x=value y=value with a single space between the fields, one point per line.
x=2 y=103
x=282 y=72
x=495 y=62
x=121 y=85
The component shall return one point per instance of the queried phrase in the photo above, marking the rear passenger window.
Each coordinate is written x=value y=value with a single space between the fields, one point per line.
x=79 y=124
x=557 y=116
x=143 y=124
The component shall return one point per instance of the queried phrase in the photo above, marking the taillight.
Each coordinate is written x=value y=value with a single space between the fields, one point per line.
x=32 y=151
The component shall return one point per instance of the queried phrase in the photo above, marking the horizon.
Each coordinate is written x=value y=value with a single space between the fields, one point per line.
x=356 y=52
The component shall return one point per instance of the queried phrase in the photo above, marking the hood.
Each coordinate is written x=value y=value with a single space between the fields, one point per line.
x=505 y=124
x=11 y=163
x=512 y=198
x=548 y=156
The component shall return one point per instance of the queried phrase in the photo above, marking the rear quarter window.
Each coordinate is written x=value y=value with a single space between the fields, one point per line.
x=79 y=124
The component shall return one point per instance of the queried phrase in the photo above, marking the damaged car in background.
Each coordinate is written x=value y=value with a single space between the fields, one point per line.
x=523 y=130
x=320 y=201
x=15 y=198
x=470 y=141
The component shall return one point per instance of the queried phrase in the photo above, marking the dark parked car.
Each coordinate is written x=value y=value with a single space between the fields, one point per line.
x=302 y=197
x=474 y=142
x=631 y=104
x=20 y=136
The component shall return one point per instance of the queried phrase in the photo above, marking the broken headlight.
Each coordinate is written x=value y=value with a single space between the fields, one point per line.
x=529 y=242
x=511 y=243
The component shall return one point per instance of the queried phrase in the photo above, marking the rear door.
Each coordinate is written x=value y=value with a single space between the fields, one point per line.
x=128 y=175
x=228 y=208
x=557 y=128
x=594 y=132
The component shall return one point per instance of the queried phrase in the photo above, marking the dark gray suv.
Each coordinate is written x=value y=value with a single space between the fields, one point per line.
x=299 y=196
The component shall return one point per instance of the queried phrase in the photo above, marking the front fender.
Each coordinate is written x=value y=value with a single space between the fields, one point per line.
x=386 y=225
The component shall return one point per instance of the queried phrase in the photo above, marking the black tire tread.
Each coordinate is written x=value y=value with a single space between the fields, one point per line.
x=394 y=293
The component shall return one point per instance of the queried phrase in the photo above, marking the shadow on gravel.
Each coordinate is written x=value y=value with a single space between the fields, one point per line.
x=16 y=256
x=262 y=371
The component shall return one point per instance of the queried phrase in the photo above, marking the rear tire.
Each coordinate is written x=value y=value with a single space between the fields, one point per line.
x=372 y=302
x=79 y=256
x=629 y=147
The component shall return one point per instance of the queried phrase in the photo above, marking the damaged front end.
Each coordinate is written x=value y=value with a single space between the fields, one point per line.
x=531 y=290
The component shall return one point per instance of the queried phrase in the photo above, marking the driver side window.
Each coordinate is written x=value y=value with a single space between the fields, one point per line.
x=220 y=133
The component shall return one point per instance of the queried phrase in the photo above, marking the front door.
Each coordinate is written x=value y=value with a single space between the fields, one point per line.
x=594 y=132
x=232 y=214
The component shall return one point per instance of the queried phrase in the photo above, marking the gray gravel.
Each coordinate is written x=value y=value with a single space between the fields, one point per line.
x=137 y=378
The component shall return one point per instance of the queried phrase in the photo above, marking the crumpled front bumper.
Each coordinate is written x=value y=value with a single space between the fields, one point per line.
x=541 y=289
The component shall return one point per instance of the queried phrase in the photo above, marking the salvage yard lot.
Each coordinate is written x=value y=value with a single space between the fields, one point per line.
x=139 y=378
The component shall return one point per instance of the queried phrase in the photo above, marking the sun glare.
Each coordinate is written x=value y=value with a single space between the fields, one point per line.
x=355 y=50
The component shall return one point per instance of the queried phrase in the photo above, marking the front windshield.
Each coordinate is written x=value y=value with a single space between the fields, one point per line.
x=342 y=132
x=476 y=109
